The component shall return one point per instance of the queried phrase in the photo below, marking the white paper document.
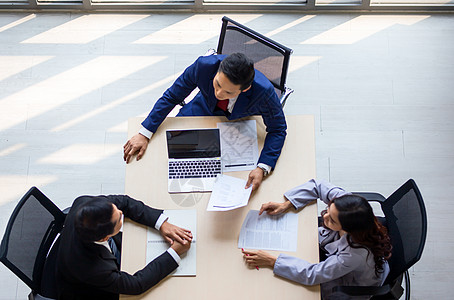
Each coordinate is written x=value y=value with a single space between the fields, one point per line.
x=156 y=244
x=239 y=148
x=269 y=232
x=228 y=193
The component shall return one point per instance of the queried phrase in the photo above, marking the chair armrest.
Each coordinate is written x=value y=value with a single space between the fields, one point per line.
x=285 y=95
x=371 y=196
x=362 y=290
x=209 y=52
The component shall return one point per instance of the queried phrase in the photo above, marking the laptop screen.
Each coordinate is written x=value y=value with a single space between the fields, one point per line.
x=194 y=143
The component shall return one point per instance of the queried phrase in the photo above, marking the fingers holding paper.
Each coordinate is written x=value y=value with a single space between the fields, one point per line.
x=255 y=179
x=271 y=208
x=274 y=208
x=254 y=258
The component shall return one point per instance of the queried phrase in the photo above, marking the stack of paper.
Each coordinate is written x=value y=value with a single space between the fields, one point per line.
x=267 y=232
x=228 y=193
x=239 y=146
x=156 y=244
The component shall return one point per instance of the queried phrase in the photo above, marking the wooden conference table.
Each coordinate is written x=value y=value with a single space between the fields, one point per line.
x=221 y=271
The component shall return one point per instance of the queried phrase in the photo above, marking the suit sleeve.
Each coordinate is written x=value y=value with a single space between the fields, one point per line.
x=136 y=210
x=276 y=126
x=119 y=282
x=312 y=190
x=174 y=95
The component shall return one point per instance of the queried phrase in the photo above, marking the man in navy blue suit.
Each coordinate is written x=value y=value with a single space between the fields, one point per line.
x=229 y=86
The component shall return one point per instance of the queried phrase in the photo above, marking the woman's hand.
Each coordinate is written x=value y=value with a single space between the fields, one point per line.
x=274 y=208
x=259 y=258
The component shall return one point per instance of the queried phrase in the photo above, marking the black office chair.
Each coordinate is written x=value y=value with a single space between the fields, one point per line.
x=270 y=57
x=30 y=243
x=406 y=220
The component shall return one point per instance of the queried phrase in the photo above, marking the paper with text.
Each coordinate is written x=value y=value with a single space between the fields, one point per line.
x=269 y=232
x=156 y=245
x=228 y=193
x=239 y=148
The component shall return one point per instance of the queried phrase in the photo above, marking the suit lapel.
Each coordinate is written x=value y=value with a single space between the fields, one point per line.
x=241 y=105
x=212 y=101
x=107 y=255
x=101 y=250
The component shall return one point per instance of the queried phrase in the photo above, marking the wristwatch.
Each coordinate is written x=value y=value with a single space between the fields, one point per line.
x=265 y=171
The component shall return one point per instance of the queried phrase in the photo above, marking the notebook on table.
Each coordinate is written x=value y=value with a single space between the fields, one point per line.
x=194 y=159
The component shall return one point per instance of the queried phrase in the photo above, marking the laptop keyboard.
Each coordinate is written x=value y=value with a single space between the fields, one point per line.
x=194 y=169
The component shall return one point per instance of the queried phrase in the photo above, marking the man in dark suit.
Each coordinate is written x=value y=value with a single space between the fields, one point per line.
x=88 y=265
x=229 y=86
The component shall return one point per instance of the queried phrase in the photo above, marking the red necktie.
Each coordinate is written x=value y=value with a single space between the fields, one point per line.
x=222 y=104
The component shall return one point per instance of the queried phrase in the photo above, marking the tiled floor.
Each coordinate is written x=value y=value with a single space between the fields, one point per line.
x=380 y=87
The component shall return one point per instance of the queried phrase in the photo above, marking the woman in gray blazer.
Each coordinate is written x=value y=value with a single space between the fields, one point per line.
x=356 y=245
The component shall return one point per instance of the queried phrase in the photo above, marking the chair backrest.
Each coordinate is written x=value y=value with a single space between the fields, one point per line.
x=30 y=233
x=270 y=57
x=407 y=225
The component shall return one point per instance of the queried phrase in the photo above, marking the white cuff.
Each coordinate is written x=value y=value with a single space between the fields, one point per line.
x=174 y=255
x=145 y=132
x=162 y=218
x=265 y=166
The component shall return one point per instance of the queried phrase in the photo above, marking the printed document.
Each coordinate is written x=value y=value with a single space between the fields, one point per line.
x=228 y=193
x=156 y=245
x=239 y=148
x=269 y=232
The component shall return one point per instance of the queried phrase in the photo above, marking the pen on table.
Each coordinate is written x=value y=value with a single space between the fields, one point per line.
x=257 y=267
x=239 y=165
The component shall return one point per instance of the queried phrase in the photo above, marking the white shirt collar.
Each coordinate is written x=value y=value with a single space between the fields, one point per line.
x=231 y=104
x=105 y=244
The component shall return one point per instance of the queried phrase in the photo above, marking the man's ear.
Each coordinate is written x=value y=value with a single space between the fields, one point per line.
x=247 y=89
x=104 y=239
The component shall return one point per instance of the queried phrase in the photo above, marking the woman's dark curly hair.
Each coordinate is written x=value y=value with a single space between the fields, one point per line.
x=364 y=231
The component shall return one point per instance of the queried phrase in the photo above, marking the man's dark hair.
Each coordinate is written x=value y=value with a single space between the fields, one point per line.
x=94 y=220
x=239 y=69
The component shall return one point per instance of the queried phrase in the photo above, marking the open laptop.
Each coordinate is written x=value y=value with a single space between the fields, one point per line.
x=194 y=159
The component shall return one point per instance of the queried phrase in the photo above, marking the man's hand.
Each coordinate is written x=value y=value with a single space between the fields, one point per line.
x=181 y=248
x=255 y=178
x=259 y=258
x=274 y=208
x=138 y=143
x=173 y=233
